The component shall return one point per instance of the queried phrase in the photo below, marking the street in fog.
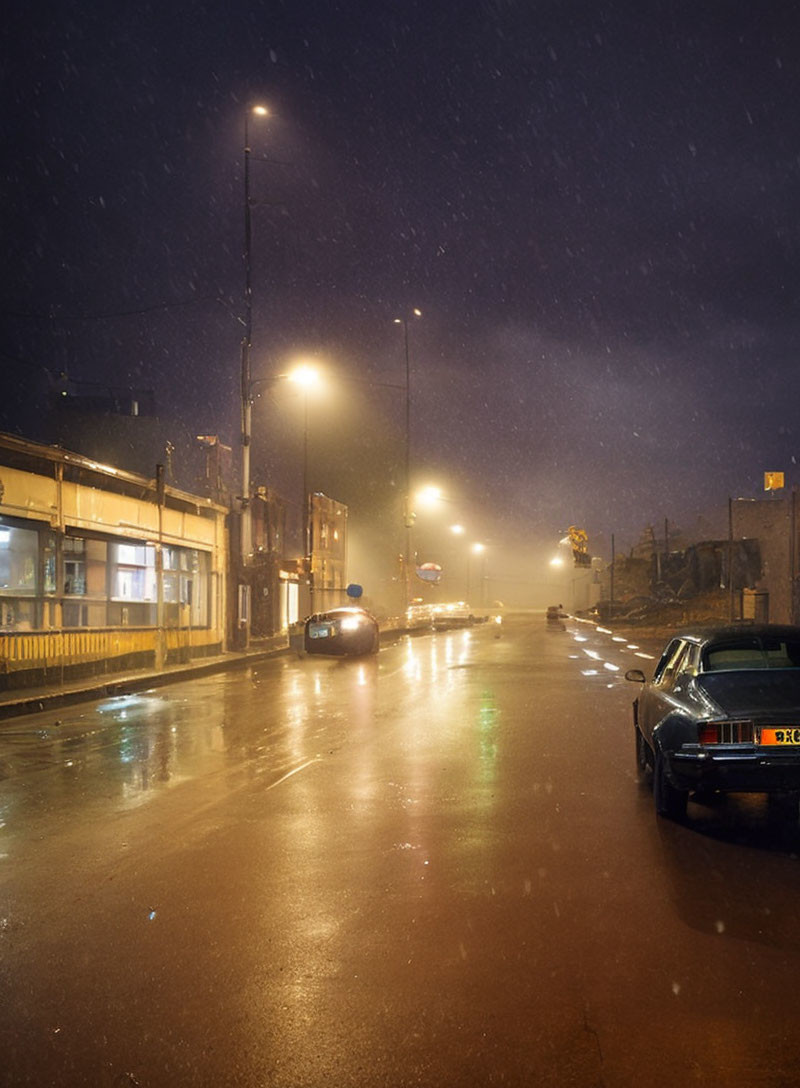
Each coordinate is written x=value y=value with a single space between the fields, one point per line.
x=435 y=867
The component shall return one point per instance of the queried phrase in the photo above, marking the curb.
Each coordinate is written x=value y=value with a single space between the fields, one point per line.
x=20 y=704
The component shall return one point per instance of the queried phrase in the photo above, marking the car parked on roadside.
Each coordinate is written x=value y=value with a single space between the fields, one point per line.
x=722 y=713
x=341 y=631
x=452 y=614
x=419 y=617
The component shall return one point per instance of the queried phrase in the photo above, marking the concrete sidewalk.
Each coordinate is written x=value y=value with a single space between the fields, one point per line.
x=33 y=700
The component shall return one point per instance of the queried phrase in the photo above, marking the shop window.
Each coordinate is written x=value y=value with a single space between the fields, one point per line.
x=135 y=555
x=19 y=556
x=133 y=572
x=17 y=614
x=96 y=567
x=172 y=586
x=49 y=562
x=198 y=588
x=74 y=566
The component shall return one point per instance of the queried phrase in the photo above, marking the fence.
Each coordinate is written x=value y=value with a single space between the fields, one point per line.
x=52 y=656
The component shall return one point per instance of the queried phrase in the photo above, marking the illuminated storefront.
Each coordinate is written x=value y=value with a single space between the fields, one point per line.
x=85 y=547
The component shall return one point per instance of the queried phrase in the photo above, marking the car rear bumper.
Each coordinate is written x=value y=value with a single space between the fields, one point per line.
x=339 y=645
x=326 y=646
x=751 y=771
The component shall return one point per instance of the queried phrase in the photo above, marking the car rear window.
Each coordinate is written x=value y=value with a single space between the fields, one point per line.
x=752 y=653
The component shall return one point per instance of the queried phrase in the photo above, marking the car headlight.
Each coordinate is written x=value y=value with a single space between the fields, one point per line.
x=352 y=623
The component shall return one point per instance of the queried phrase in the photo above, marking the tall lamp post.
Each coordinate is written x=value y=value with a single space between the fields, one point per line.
x=247 y=402
x=408 y=515
x=307 y=377
x=458 y=530
x=476 y=549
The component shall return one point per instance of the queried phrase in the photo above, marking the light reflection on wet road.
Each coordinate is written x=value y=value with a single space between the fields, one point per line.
x=431 y=868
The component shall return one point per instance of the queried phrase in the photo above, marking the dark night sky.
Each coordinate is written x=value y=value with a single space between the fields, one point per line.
x=595 y=206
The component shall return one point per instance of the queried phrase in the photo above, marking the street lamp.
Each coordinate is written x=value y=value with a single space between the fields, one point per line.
x=476 y=549
x=247 y=402
x=429 y=496
x=408 y=517
x=307 y=377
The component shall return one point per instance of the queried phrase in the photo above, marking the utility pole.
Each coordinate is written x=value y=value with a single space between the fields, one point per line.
x=246 y=392
x=408 y=515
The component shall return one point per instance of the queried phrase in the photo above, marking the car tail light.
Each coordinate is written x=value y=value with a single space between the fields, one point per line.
x=725 y=733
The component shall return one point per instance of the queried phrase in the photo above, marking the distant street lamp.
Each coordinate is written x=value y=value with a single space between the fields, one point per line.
x=408 y=516
x=247 y=403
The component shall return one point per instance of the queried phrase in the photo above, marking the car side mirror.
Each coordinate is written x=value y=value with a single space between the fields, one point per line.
x=636 y=675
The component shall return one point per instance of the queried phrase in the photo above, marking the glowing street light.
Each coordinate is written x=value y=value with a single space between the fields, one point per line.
x=305 y=375
x=457 y=530
x=476 y=548
x=428 y=496
x=308 y=378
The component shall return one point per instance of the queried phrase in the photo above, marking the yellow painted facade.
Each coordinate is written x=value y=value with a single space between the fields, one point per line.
x=164 y=557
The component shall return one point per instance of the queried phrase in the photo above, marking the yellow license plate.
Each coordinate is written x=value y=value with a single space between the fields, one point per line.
x=789 y=734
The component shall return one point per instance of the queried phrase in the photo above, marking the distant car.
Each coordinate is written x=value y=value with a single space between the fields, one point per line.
x=419 y=616
x=554 y=613
x=455 y=614
x=722 y=713
x=345 y=630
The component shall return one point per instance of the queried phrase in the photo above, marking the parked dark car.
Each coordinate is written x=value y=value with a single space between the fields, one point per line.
x=345 y=630
x=722 y=713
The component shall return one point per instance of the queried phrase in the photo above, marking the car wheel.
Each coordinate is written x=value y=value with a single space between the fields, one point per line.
x=642 y=754
x=670 y=802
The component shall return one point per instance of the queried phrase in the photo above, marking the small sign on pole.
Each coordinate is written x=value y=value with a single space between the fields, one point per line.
x=773 y=481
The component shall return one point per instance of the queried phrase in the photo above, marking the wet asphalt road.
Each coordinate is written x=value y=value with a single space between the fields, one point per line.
x=434 y=868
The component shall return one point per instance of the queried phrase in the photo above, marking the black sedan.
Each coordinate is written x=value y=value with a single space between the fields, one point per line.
x=345 y=630
x=722 y=713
